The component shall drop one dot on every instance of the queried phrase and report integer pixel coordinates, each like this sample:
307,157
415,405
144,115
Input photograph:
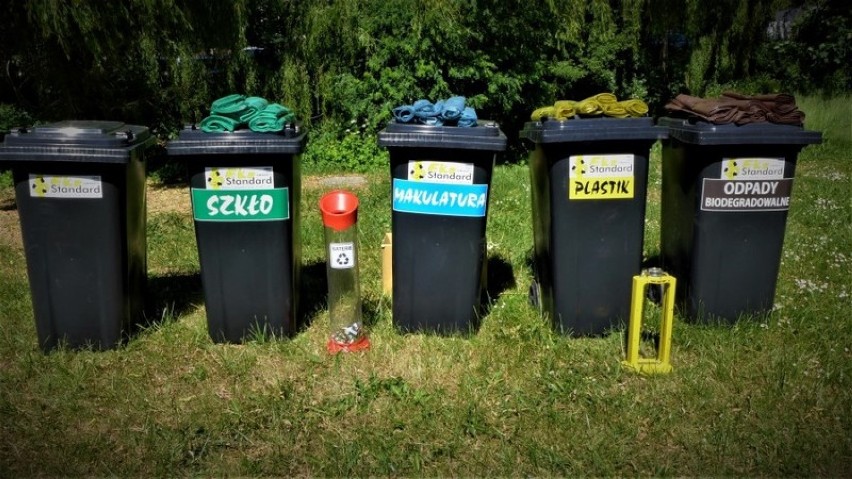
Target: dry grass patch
10,224
166,199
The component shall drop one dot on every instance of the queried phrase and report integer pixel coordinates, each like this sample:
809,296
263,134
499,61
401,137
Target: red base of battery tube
335,347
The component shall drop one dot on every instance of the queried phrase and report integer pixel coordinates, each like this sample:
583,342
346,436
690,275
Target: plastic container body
245,189
344,290
80,191
589,180
441,187
726,193
340,217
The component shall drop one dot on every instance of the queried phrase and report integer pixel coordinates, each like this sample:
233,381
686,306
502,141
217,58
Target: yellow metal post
662,363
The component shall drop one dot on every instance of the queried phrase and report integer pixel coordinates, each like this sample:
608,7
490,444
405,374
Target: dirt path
10,229
167,199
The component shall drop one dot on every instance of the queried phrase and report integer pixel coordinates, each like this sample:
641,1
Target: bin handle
126,135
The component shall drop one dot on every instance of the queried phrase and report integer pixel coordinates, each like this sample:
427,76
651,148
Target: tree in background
344,64
352,61
134,60
811,52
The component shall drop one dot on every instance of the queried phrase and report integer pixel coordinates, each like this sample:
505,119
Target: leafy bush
165,169
816,57
336,148
161,63
6,179
12,116
752,86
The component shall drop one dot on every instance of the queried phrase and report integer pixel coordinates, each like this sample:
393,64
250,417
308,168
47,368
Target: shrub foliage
343,62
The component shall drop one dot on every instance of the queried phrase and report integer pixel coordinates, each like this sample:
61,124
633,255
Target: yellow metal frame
662,363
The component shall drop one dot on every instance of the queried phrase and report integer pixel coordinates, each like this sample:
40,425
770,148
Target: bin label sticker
738,195
49,186
439,198
341,255
752,169
600,177
246,205
238,178
441,172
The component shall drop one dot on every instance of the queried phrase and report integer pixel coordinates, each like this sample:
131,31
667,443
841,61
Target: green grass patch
765,397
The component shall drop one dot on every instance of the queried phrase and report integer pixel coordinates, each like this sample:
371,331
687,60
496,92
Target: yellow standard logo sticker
238,178
600,177
449,172
52,186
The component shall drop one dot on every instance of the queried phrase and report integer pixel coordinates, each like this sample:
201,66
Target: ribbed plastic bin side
245,189
80,191
441,188
726,193
589,181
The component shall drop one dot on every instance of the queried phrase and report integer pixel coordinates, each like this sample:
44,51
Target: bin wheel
654,293
535,295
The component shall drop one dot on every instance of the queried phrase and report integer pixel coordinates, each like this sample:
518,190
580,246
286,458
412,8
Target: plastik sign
238,178
601,177
752,169
439,198
441,172
243,205
49,186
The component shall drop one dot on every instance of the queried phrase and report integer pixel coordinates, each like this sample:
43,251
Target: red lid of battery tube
339,209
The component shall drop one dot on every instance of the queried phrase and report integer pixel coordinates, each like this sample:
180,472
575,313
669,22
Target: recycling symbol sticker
341,255
343,260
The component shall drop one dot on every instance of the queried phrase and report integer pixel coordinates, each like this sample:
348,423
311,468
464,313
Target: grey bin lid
703,133
76,141
592,129
486,136
194,142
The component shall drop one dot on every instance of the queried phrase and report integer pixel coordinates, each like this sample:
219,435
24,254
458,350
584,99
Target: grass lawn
766,397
